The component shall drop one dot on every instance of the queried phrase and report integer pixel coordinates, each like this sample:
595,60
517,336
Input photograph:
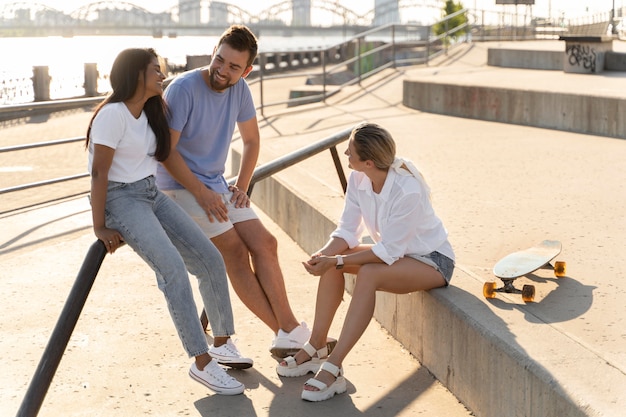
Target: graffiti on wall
579,55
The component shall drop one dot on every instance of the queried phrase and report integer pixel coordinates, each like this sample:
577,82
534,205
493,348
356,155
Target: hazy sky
543,8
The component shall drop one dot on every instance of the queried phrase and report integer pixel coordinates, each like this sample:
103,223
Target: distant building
301,10
386,11
218,13
189,12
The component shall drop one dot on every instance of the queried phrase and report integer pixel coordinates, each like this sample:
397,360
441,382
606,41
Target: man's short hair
240,38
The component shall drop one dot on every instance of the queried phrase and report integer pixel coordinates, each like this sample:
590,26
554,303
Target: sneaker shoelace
221,375
231,348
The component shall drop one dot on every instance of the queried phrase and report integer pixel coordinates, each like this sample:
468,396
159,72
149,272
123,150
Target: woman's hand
319,264
111,238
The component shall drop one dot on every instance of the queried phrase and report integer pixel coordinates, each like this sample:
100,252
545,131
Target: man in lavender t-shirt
206,105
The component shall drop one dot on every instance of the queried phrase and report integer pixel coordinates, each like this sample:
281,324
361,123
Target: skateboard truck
527,291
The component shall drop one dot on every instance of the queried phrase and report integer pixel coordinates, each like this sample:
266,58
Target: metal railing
45,182
329,70
360,56
340,65
51,357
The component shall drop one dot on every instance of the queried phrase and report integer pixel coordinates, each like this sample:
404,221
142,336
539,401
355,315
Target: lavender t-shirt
206,121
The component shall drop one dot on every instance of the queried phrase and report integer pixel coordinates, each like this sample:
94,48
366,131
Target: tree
461,19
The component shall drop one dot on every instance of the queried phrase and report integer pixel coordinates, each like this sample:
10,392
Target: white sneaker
288,344
229,355
216,379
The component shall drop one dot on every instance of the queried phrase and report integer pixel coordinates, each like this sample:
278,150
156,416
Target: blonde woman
388,198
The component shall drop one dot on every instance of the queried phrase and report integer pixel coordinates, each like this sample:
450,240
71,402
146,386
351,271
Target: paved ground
498,188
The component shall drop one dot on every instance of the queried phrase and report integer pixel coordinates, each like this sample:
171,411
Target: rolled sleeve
351,239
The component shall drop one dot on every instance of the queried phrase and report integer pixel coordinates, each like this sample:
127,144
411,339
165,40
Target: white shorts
235,215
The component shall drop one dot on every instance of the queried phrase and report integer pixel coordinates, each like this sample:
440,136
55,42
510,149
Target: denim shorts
440,262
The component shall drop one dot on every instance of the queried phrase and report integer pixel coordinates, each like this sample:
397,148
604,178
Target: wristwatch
339,262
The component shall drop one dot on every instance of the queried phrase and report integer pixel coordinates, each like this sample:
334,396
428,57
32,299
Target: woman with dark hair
387,197
127,136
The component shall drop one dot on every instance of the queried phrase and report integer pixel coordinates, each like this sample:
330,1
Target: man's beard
215,84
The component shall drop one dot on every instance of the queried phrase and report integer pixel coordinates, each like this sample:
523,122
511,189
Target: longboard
518,264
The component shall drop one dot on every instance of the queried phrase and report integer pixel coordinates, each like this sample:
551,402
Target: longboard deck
526,261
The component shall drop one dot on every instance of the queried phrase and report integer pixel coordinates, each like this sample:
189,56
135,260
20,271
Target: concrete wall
569,112
528,59
547,59
615,61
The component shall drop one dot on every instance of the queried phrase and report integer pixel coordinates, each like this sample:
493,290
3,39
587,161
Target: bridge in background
195,17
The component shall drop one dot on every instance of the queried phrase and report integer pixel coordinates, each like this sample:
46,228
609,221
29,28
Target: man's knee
264,243
231,246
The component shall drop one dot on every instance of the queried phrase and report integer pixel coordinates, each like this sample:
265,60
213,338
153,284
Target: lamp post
613,26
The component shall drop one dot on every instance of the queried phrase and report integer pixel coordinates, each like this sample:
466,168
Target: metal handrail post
339,168
358,61
261,67
324,52
446,39
482,23
393,45
62,331
428,42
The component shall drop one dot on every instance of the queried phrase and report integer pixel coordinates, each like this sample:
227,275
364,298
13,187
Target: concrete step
583,103
547,59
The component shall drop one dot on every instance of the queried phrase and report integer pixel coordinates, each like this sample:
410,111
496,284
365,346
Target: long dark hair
124,79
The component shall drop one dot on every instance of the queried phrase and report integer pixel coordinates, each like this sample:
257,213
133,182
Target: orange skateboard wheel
489,289
528,293
559,269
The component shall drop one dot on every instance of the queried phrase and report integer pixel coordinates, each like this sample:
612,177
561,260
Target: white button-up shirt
400,219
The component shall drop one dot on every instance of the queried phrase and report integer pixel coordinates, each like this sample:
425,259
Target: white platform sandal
326,391
312,365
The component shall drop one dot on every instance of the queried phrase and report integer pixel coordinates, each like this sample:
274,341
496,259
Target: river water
66,58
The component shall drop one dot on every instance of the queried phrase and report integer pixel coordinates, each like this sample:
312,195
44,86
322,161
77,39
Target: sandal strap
291,362
317,384
331,368
311,351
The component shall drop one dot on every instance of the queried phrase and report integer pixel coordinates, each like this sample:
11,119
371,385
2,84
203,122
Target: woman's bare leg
404,276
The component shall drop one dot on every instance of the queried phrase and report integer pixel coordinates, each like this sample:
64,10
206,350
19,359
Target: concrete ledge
315,92
567,112
525,59
478,351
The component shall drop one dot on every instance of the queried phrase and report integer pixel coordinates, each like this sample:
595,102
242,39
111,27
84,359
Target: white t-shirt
133,139
400,219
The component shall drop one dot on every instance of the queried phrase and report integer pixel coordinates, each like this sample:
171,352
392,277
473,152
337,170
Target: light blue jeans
171,243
